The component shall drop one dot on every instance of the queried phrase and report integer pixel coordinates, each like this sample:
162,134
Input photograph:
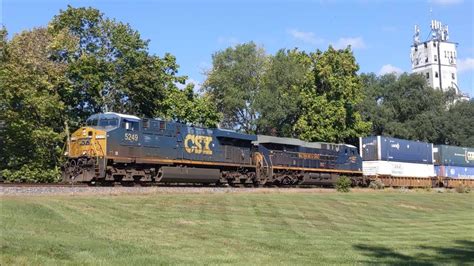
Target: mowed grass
239,228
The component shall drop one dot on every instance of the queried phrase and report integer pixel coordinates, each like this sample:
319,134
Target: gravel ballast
84,190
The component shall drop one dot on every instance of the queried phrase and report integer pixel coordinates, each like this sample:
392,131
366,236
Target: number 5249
131,137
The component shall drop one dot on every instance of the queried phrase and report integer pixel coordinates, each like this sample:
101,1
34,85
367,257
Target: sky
380,32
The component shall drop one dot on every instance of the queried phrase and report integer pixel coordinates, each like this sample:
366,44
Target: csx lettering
198,144
131,137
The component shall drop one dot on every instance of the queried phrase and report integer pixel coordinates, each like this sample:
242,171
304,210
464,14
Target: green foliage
233,83
406,107
330,98
32,109
279,100
292,94
110,66
32,173
187,107
459,124
343,184
403,107
3,43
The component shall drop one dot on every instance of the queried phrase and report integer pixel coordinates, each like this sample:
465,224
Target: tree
3,103
111,67
188,107
406,107
459,124
330,99
233,83
279,99
33,111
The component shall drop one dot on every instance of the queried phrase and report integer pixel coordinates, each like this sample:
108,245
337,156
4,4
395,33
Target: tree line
53,77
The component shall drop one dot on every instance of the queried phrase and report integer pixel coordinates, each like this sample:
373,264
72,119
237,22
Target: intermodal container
398,169
453,155
379,148
458,172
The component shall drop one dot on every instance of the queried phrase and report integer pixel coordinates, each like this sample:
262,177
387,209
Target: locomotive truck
114,147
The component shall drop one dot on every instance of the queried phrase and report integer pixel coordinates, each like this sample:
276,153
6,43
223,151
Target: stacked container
396,157
454,162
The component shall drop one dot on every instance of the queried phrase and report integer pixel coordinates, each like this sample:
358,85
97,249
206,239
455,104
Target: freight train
114,147
119,148
400,162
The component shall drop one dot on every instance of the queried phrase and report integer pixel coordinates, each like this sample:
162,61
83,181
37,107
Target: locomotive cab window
108,122
146,123
92,122
130,125
162,125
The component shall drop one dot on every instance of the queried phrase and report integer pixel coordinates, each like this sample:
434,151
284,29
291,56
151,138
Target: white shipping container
390,168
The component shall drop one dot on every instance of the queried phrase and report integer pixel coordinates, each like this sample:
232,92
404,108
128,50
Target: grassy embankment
243,228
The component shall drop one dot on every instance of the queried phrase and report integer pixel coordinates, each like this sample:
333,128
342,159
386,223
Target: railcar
114,147
292,161
406,163
454,165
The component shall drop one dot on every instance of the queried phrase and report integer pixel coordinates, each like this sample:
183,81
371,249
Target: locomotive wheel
286,181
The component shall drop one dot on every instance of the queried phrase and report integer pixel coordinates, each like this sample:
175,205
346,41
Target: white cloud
465,64
446,2
389,69
305,36
354,42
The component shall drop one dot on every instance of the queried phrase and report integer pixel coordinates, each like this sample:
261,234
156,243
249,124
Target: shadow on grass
462,253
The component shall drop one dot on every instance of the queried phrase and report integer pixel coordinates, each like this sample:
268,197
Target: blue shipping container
455,171
453,155
379,148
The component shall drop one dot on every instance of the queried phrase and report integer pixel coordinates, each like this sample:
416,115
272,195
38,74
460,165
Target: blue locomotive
114,147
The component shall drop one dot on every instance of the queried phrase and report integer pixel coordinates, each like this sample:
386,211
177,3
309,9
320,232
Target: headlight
100,137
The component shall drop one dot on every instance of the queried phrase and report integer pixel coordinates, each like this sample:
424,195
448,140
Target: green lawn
241,228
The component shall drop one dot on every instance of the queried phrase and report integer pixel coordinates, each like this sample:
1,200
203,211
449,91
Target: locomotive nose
87,141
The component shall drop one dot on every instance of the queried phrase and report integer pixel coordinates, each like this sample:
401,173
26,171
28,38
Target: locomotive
114,147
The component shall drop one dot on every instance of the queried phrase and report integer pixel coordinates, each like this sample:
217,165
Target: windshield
92,122
106,122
